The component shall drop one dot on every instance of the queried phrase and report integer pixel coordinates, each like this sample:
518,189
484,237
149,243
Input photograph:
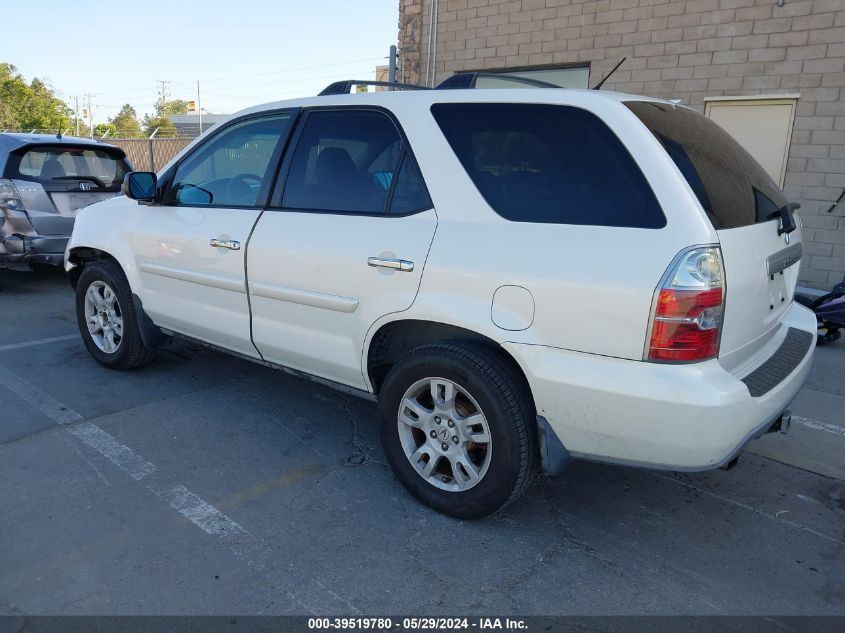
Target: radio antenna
607,76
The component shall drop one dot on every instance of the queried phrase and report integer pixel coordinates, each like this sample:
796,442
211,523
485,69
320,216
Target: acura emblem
85,186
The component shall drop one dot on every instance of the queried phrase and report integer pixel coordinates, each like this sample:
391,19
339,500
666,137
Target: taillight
687,312
10,201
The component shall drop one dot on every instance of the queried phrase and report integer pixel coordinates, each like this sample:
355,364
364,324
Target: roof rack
345,86
468,80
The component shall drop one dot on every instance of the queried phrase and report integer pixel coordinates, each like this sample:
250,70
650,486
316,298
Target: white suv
519,276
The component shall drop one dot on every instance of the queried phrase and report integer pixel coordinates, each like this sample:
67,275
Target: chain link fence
145,154
150,154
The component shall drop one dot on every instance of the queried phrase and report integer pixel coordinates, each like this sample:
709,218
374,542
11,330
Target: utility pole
76,118
391,66
163,91
90,115
199,104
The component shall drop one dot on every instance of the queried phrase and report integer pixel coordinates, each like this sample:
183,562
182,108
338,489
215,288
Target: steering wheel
240,191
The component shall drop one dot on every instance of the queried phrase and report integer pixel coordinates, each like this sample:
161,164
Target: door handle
232,245
402,265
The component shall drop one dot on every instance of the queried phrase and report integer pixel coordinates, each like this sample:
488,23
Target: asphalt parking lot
204,484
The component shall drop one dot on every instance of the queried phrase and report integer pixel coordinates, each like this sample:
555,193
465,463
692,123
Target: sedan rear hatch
752,218
56,181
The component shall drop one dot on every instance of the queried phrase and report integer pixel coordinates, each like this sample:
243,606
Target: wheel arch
392,340
80,256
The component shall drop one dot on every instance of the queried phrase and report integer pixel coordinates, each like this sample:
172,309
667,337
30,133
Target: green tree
168,108
34,105
84,130
102,128
125,123
165,126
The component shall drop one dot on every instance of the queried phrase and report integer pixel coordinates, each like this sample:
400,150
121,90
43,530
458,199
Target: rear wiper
787,222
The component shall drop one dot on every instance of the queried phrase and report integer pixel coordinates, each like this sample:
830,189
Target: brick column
410,31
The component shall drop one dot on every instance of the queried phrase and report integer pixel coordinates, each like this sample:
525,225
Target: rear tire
483,444
106,316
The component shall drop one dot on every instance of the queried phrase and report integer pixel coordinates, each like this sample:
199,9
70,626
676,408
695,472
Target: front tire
457,425
107,318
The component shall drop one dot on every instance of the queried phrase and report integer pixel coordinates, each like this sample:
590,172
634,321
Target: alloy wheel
444,434
103,317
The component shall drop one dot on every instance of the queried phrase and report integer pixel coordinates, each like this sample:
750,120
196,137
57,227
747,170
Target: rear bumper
679,417
33,249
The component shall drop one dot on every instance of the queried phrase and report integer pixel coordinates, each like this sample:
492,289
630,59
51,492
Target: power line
219,94
282,82
272,72
163,90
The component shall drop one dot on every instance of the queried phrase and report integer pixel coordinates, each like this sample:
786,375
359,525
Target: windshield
729,183
101,167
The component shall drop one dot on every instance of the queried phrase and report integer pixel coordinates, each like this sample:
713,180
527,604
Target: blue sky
243,51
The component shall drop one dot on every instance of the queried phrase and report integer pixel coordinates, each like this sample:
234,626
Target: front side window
102,167
550,164
345,161
231,168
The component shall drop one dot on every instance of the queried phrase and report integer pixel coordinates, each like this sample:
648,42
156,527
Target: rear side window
346,161
551,164
102,167
731,186
410,194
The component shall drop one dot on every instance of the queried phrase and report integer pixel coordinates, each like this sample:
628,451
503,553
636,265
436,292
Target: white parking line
819,426
41,341
189,505
203,514
251,550
121,456
46,404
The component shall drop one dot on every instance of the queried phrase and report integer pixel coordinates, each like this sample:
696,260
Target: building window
565,77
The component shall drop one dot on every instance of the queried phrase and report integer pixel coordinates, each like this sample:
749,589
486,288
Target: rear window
550,164
101,167
731,186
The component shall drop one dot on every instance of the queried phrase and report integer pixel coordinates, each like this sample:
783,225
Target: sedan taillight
687,312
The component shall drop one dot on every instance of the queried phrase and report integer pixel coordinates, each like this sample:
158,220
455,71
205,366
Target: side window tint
344,161
231,167
410,193
546,163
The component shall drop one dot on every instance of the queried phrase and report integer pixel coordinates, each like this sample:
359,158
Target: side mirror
140,185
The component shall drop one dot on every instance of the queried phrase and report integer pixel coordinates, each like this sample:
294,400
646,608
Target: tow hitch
781,425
